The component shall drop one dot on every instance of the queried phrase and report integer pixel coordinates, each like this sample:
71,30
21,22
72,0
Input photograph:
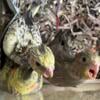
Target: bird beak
93,71
48,73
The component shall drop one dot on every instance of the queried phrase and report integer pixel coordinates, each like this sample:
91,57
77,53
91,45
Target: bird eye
84,59
38,64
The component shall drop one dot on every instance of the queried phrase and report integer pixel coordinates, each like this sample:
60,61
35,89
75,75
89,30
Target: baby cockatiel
25,80
85,66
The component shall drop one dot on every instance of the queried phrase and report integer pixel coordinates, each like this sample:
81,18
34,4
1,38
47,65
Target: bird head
85,65
43,60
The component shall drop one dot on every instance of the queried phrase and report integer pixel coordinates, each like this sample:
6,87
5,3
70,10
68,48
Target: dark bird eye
84,59
38,64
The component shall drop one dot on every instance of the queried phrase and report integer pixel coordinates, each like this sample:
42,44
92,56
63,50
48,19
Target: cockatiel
85,66
23,45
66,48
25,80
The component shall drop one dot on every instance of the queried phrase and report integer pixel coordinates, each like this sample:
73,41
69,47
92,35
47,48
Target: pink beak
48,73
93,71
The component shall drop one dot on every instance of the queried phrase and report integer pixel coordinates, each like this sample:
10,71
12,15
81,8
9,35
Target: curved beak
93,71
48,73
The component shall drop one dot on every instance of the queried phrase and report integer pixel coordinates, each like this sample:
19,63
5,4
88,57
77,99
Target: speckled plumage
19,39
20,34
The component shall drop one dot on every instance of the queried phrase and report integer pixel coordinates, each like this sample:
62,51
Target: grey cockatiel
75,61
84,66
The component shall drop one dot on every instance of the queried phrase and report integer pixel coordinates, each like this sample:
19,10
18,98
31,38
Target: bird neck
26,73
